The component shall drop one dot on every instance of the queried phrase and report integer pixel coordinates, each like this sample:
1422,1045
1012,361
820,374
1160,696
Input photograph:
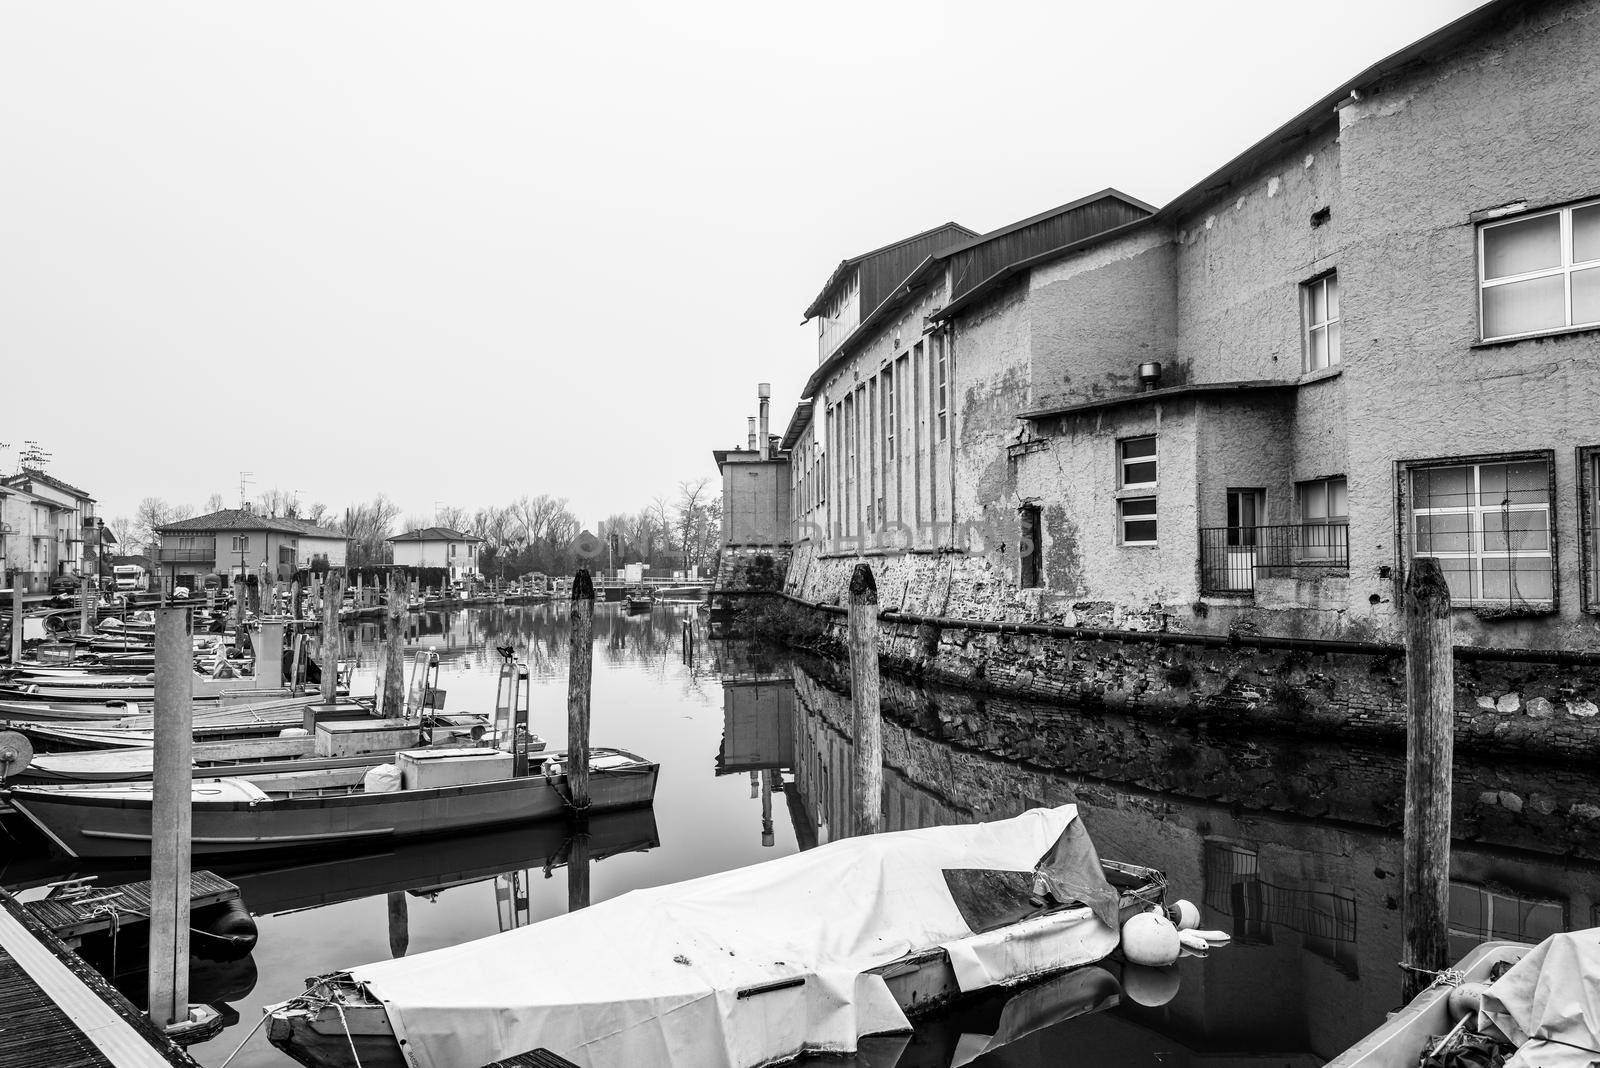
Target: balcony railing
1232,558
203,550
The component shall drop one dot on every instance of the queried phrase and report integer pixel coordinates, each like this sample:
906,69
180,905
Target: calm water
755,754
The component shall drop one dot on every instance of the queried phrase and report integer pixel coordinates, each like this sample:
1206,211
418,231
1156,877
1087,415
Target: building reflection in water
1312,900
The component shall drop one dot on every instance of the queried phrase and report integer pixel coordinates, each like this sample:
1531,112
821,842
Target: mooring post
581,661
269,656
171,791
1430,751
867,728
767,838
16,617
394,675
399,924
85,608
330,637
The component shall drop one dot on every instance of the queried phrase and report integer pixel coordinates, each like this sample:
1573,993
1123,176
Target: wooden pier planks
56,1011
70,920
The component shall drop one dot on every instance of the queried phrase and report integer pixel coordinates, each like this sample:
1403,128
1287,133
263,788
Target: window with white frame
1136,461
888,413
944,387
1488,524
1319,309
241,543
1324,505
1540,271
1137,518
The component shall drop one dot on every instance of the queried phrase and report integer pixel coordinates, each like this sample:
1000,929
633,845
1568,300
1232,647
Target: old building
439,547
1373,335
237,542
42,529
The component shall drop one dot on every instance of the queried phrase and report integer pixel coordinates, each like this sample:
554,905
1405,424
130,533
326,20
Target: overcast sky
458,252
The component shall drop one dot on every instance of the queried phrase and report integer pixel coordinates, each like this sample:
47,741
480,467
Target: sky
461,252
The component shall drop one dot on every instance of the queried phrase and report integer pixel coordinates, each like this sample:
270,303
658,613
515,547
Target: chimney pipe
764,443
1150,376
750,441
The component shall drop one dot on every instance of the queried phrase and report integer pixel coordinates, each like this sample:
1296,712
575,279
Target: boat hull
98,827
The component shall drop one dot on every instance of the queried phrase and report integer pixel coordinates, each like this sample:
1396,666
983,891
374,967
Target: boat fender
1466,999
1151,987
1184,915
382,779
293,732
224,931
1150,939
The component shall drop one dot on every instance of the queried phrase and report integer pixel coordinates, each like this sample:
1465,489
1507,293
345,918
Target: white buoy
294,732
1150,939
1185,916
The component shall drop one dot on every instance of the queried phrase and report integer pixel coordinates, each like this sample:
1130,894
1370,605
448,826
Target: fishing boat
753,966
1400,1042
639,600
441,791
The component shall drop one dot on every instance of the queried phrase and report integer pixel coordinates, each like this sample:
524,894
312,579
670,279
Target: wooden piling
171,790
867,727
1430,750
85,608
394,676
399,924
16,617
330,637
581,661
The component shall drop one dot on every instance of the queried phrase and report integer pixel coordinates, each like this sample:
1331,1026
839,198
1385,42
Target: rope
264,1018
1443,977
348,1036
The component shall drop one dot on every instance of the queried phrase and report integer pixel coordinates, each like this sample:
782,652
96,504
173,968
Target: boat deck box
431,769
346,738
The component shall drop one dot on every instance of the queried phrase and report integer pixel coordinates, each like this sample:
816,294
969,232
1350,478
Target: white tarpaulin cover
1548,1003
653,977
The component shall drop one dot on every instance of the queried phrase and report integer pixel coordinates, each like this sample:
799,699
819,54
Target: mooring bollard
581,660
330,638
394,676
578,870
1430,752
399,924
171,791
867,727
16,618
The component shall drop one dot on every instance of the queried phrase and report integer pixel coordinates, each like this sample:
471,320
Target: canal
1292,847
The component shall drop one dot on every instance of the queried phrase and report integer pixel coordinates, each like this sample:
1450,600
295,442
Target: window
1319,308
1137,461
1488,525
888,414
1246,511
1137,515
1540,272
1032,547
241,543
1324,518
944,388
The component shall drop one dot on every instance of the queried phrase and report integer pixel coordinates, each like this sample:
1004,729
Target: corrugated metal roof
845,265
797,425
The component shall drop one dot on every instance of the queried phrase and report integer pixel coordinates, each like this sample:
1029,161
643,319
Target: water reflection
1292,847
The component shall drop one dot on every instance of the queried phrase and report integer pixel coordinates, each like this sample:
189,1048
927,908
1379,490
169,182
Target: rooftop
245,519
434,534
30,474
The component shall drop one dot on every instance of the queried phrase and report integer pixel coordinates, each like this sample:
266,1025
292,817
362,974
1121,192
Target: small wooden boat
1399,1042
828,912
444,791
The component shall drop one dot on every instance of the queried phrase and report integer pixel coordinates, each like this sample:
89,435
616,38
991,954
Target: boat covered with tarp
805,953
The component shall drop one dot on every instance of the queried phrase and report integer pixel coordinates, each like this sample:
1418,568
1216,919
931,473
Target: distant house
241,541
42,527
438,547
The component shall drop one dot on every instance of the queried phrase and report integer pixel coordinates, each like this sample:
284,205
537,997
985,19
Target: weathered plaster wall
1096,315
755,502
1505,122
1241,258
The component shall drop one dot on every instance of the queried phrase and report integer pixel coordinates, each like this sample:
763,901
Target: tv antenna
246,478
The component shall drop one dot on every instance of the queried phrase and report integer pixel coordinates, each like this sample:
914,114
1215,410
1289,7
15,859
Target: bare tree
315,512
215,503
452,516
688,514
368,526
415,521
121,528
151,513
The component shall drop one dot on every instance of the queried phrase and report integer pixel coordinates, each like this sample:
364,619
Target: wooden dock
57,1012
70,918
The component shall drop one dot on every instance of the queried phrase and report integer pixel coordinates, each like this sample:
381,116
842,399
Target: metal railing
1232,558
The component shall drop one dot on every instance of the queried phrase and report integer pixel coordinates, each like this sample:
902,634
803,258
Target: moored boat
734,970
441,791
